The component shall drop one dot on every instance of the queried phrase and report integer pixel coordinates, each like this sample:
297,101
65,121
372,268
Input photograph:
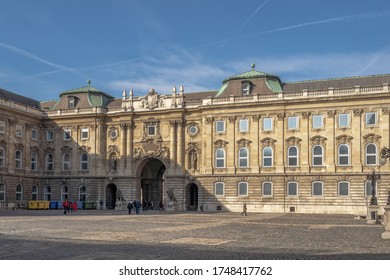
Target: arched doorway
152,182
192,197
110,196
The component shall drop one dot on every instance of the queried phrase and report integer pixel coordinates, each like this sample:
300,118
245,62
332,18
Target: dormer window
72,102
246,88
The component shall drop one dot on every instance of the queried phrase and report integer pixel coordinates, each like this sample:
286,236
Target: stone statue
194,160
114,163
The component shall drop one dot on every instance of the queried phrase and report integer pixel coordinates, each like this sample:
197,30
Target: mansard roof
17,98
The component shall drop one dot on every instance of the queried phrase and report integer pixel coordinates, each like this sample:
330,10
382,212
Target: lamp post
373,178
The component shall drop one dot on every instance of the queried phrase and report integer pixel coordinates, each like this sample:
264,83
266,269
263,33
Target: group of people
69,206
145,206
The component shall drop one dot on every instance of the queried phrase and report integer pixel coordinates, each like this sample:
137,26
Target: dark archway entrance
111,196
192,197
152,183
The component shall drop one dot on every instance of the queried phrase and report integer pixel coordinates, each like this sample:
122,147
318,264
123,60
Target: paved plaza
155,235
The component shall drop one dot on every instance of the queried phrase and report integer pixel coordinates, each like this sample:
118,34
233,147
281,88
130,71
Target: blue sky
47,46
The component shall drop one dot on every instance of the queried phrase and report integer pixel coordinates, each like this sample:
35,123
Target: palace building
303,147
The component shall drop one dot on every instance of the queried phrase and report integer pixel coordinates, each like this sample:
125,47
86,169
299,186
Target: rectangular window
84,133
152,130
343,189
219,189
371,118
317,189
50,135
67,134
34,134
267,189
343,120
318,122
18,130
368,188
220,126
2,127
267,124
242,188
243,125
292,123
292,188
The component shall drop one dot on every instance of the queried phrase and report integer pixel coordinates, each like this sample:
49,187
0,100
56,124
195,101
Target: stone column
129,152
122,161
173,143
180,144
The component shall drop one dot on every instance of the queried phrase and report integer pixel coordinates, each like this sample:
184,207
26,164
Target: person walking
65,204
244,208
129,207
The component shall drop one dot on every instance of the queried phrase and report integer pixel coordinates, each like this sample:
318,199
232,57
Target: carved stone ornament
243,142
163,152
293,141
357,112
343,139
85,149
318,139
371,138
220,143
152,100
267,141
113,149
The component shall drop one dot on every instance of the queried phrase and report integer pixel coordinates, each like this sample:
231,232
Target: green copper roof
87,89
250,75
274,85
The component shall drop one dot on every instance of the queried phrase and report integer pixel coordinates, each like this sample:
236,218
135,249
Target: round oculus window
113,134
193,130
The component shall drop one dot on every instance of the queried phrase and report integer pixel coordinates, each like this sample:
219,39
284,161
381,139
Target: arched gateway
152,181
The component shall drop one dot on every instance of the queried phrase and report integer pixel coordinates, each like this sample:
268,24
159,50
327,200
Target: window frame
67,136
292,157
220,185
263,189
268,124
49,162
314,156
2,127
34,134
217,123
288,188
47,193
50,135
18,130
339,188
19,193
34,162
347,120
3,192
67,163
18,159
84,163
371,155
34,193
289,127
243,122
84,134
375,114
2,157
82,194
240,185
220,158
313,189
340,156
245,159
265,157
318,118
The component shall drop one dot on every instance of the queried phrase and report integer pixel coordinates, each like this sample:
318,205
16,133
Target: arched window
344,155
47,193
371,154
82,193
84,161
268,157
18,159
66,162
34,193
19,193
49,162
34,166
292,158
2,157
220,158
64,192
243,157
2,191
318,155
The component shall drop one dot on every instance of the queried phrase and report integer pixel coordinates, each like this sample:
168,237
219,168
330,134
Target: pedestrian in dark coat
129,207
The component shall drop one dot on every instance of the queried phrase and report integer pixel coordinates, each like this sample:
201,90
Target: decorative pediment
152,100
267,141
49,150
84,148
3,144
66,149
220,143
34,149
113,149
371,138
292,141
318,139
243,142
19,146
343,139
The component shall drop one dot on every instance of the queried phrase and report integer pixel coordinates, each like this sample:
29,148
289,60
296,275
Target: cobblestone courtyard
99,235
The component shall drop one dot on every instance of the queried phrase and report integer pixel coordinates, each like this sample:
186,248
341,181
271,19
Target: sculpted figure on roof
152,100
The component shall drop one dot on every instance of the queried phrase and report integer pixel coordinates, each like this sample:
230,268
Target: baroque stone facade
279,147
